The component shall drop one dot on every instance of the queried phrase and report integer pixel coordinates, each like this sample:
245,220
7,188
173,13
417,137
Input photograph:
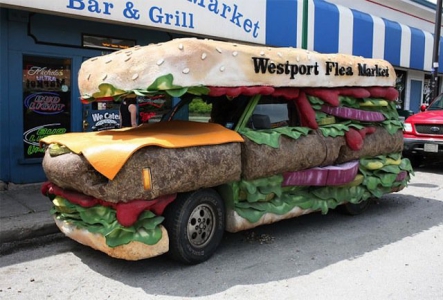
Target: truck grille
429,129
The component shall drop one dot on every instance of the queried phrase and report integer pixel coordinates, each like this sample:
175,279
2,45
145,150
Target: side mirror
261,121
423,107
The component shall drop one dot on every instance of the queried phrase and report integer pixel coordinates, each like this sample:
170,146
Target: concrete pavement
24,212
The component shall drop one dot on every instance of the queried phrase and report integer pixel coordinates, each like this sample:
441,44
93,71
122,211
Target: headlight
147,179
408,127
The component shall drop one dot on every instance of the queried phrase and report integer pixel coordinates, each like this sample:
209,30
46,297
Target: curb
24,217
27,226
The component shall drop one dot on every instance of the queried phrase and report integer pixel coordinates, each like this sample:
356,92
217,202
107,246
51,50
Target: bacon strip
355,92
388,93
216,91
307,113
327,95
287,93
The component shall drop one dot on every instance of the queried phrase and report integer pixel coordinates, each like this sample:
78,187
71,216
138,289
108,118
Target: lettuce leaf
102,220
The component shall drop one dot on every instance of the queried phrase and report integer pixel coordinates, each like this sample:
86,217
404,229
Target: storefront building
43,44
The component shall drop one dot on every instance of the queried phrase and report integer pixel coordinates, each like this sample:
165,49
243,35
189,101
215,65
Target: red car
423,133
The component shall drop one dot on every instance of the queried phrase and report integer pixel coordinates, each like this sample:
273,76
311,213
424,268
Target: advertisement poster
428,89
400,85
46,101
102,115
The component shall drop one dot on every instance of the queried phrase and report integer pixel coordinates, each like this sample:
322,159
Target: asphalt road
392,251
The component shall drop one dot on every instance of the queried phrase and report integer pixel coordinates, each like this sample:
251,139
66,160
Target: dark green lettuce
101,219
252,199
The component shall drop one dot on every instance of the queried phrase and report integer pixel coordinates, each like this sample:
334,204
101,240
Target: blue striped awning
332,28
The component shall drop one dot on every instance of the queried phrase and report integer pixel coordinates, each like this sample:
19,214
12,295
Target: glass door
46,100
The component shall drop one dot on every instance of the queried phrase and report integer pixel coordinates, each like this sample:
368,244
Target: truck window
272,112
193,109
221,110
151,109
199,110
227,111
437,104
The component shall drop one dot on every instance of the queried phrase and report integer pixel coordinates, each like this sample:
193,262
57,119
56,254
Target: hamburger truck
234,136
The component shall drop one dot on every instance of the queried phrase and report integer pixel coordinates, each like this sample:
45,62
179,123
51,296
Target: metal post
304,39
434,87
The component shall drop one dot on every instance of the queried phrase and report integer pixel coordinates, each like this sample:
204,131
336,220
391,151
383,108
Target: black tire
416,161
195,223
355,209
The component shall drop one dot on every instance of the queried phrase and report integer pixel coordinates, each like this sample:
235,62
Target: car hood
427,117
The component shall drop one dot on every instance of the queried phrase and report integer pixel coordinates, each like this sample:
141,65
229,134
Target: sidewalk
24,212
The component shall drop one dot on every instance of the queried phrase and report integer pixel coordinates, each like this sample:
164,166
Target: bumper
132,251
426,147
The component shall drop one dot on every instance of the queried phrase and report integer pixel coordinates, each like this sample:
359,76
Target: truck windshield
220,110
437,104
151,109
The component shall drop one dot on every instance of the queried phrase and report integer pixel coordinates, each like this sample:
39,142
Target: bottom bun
132,251
235,223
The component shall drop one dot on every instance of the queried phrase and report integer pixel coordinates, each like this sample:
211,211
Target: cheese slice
107,151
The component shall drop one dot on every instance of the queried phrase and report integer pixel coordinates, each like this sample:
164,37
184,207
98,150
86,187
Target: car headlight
407,127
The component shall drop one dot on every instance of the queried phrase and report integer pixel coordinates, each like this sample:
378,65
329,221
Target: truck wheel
416,161
355,209
195,223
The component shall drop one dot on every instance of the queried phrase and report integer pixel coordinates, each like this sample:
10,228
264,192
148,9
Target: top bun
198,62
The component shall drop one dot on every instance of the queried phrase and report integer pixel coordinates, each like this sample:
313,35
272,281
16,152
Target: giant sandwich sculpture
175,186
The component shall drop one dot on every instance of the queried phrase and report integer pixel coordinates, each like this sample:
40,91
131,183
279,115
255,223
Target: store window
400,85
46,100
428,89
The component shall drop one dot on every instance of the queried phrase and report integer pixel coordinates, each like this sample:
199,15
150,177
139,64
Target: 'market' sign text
265,65
172,17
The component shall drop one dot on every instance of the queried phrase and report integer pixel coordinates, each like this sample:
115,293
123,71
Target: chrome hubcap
201,225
